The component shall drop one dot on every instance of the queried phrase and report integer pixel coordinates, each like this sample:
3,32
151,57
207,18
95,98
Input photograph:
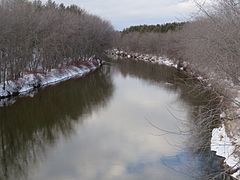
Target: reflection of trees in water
204,116
32,123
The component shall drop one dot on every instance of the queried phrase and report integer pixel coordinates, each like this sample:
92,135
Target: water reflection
203,116
102,127
118,142
27,127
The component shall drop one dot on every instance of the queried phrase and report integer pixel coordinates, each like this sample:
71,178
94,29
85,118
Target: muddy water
126,121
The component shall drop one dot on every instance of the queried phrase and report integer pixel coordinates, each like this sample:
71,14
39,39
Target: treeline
210,43
167,44
36,36
159,28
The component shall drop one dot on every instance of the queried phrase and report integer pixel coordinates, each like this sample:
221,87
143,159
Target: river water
126,121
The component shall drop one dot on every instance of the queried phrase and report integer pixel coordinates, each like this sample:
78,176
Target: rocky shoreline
31,82
225,140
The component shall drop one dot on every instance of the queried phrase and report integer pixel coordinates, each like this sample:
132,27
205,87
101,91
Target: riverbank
32,81
225,139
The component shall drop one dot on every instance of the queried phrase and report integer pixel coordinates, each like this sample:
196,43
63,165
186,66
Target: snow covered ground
224,147
29,82
143,57
226,139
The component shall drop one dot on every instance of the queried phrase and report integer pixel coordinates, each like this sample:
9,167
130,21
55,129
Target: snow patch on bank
29,82
224,147
145,57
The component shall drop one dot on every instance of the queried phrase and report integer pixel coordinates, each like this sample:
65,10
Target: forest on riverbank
210,42
37,37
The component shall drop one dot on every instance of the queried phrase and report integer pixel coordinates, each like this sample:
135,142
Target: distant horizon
132,13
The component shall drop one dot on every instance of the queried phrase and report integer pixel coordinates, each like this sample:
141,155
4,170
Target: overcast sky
123,13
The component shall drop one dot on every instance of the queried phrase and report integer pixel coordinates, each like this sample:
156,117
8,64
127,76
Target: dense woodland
159,28
38,37
210,42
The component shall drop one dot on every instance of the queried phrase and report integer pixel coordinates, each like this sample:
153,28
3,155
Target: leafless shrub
212,42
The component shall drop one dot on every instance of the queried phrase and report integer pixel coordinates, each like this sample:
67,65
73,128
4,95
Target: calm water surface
126,121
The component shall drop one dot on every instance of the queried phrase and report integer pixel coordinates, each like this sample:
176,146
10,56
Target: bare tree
36,36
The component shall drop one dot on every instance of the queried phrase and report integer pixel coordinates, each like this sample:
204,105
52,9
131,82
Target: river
126,121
